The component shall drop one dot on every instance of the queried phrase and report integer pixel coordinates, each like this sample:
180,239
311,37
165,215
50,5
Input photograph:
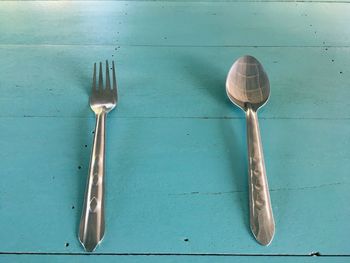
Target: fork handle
92,225
261,218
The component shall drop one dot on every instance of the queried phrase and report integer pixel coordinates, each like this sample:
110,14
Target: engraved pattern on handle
92,223
261,217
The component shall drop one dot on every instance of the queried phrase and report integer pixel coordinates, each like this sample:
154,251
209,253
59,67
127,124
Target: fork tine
114,81
100,79
94,79
108,83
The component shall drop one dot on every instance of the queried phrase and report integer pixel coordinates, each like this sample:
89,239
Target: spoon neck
250,109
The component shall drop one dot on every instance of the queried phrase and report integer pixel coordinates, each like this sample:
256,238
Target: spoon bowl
247,83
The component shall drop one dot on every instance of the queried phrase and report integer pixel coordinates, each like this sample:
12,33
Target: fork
92,223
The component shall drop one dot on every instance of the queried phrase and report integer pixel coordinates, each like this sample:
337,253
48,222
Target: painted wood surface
176,152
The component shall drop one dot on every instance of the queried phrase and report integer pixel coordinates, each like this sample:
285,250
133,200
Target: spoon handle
261,218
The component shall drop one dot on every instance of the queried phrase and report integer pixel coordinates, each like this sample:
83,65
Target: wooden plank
175,23
169,180
166,259
172,81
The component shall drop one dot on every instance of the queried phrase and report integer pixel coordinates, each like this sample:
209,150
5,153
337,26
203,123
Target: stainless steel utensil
102,101
248,87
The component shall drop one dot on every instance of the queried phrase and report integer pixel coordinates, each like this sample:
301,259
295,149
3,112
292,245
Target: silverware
92,223
248,87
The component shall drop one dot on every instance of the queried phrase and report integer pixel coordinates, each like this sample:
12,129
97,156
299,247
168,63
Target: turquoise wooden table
176,147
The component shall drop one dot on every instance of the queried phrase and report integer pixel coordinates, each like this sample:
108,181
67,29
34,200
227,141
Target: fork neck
101,113
99,137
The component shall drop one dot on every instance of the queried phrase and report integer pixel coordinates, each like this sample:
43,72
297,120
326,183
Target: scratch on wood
271,190
306,187
206,193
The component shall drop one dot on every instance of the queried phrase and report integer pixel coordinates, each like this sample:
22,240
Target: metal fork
102,100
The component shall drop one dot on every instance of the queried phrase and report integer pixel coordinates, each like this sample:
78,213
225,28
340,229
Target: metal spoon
248,87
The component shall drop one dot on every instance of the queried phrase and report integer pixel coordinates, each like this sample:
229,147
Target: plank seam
167,46
203,1
172,254
181,117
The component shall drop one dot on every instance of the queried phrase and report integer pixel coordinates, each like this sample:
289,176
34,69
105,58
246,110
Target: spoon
248,87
